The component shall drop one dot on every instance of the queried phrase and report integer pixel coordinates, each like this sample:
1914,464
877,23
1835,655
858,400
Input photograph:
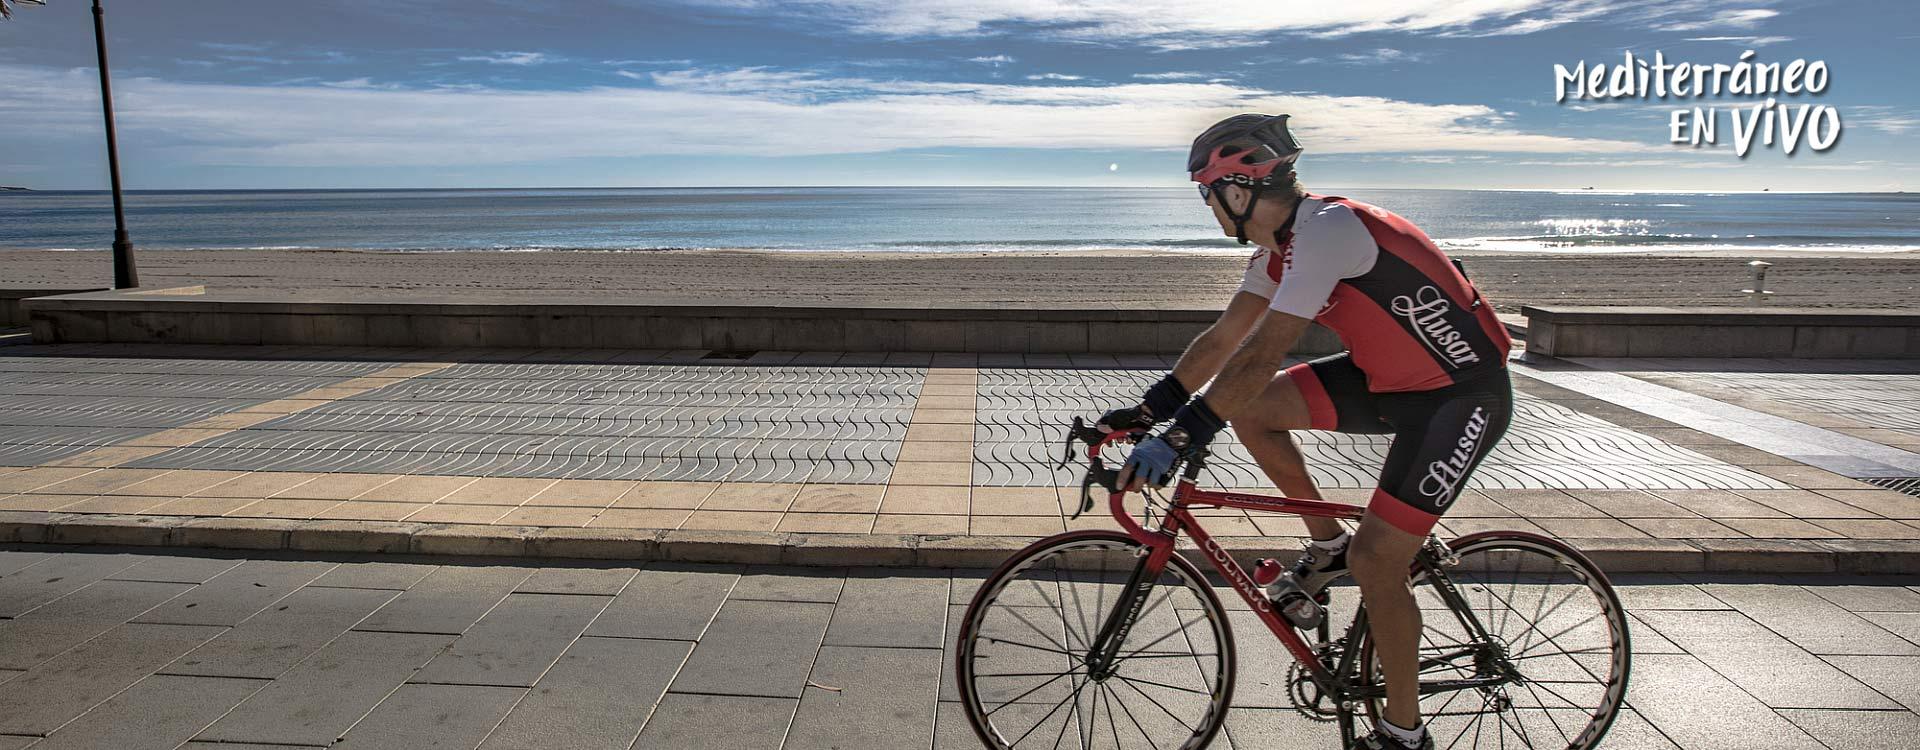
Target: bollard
1758,293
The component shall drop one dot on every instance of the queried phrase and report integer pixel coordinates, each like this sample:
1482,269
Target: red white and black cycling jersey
1411,320
1426,356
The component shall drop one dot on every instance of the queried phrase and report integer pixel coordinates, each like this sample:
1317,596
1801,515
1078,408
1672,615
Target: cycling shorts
1439,435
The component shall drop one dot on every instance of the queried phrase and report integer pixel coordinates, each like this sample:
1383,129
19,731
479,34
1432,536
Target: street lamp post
124,275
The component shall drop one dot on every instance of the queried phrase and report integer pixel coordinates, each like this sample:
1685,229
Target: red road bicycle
1114,639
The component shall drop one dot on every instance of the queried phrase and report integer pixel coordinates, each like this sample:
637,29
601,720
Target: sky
219,94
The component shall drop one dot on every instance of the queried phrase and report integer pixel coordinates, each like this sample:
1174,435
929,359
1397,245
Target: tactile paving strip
1876,400
1018,441
594,421
54,407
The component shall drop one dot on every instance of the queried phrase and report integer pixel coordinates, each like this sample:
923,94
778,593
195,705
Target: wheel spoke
1160,684
1034,689
1157,704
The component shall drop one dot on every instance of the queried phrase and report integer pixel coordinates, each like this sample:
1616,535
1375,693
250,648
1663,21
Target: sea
961,219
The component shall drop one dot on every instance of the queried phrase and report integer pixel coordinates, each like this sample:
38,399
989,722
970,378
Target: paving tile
98,482
1772,668
1589,528
640,518
685,721
1015,501
1717,504
755,497
585,493
930,450
579,581
177,569
1252,728
667,601
1809,621
886,608
756,648
56,691
498,491
16,742
790,584
341,486
355,510
901,499
563,517
316,701
76,618
513,644
236,594
114,504
1018,526
201,506
1640,591
37,502
1804,504
1891,675
1698,708
932,473
32,480
1880,502
447,601
14,561
910,523
159,712
453,513
271,642
827,523
1858,730
1630,504
885,697
414,489
1683,528
1861,528
25,589
257,485
179,483
1778,528
1538,504
374,575
433,716
291,508
687,495
1903,624
945,432
838,498
1869,598
595,697
732,520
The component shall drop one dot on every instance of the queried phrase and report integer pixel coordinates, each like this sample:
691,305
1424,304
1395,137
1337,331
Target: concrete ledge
191,315
1721,332
13,314
1891,557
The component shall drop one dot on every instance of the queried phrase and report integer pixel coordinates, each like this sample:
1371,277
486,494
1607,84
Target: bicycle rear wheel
1022,658
1554,621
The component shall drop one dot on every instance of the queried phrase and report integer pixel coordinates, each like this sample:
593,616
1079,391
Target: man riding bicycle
1425,360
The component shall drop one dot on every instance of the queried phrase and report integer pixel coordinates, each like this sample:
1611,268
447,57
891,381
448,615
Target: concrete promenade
882,459
103,648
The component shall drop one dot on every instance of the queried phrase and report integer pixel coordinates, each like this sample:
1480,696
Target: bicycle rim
1560,627
1021,661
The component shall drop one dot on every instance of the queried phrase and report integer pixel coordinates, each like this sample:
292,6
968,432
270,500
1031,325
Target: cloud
509,58
1170,76
1382,56
764,111
1736,19
1894,120
1055,77
994,60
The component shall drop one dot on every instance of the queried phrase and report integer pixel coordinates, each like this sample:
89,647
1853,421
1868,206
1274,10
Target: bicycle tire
1552,553
1120,549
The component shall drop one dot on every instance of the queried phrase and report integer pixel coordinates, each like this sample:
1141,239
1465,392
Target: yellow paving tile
967,389
201,506
941,473
942,416
686,495
278,507
498,491
356,510
838,498
415,489
585,493
278,408
36,502
1015,526
256,485
338,486
731,520
174,438
179,483
234,421
529,516
945,403
747,496
952,377
910,523
957,432
1016,501
640,518
32,479
925,500
928,450
827,523
454,513
110,456
114,504
102,481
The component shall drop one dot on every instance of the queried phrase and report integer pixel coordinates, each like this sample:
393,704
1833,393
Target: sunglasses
1206,193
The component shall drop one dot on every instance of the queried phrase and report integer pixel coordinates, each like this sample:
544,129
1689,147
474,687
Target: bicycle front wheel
1553,627
1023,661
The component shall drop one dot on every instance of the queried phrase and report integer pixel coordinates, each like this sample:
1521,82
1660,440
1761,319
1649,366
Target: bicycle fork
1101,658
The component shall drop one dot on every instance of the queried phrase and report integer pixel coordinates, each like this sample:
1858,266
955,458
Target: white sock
1333,545
1410,737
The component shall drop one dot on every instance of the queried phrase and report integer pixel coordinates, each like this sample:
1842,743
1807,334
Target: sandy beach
1119,277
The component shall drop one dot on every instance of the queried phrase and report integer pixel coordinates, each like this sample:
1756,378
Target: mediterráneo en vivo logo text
1776,123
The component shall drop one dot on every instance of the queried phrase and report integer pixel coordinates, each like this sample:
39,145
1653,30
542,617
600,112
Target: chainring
1306,696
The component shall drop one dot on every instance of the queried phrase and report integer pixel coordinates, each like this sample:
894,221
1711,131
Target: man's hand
1124,419
1151,461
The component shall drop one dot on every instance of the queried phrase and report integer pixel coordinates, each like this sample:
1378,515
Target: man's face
1224,193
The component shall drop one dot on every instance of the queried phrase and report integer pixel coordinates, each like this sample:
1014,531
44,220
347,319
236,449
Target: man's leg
1266,430
1378,556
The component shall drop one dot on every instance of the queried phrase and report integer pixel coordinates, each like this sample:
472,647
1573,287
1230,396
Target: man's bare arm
1253,365
1211,349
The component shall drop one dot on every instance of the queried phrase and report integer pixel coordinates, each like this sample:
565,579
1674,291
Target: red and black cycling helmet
1251,150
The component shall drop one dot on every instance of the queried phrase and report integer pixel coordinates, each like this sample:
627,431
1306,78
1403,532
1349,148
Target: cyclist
1425,360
